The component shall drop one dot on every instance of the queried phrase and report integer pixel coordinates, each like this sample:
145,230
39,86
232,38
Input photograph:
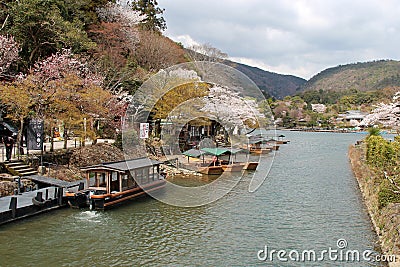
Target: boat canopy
221,151
216,151
260,141
234,151
124,165
194,153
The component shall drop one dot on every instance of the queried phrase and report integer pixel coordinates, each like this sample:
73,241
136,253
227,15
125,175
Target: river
309,201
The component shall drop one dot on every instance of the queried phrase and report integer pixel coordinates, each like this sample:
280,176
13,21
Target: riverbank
386,220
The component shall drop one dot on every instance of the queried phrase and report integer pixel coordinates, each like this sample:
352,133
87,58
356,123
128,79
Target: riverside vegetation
375,163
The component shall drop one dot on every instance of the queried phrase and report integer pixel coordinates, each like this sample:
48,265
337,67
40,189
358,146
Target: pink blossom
9,50
59,65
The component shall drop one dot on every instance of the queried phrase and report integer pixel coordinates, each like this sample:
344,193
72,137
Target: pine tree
154,20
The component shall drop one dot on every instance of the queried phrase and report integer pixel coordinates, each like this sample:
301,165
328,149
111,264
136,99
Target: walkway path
57,145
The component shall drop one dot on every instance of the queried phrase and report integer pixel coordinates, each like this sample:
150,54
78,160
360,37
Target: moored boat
259,150
233,167
210,170
250,166
110,184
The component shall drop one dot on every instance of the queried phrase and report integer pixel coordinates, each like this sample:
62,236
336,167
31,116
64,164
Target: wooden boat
250,166
110,184
281,140
210,170
259,150
274,147
233,167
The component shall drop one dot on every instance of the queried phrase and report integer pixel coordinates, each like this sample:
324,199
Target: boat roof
215,151
218,151
194,153
124,165
260,141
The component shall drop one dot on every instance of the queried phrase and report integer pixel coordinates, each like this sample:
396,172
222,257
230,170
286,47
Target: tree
9,50
124,15
43,27
388,115
178,95
231,110
157,52
205,52
18,97
74,102
154,20
61,87
83,10
372,131
117,37
62,64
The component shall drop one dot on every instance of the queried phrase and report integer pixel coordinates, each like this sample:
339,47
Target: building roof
124,165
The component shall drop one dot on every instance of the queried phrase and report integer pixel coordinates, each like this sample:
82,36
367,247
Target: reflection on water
309,201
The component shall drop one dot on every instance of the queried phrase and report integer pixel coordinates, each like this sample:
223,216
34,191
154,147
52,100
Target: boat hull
232,167
211,170
250,166
101,201
78,200
261,150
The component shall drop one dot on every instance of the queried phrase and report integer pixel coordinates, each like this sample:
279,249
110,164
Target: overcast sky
294,37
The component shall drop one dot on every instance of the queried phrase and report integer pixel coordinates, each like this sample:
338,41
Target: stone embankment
8,185
173,171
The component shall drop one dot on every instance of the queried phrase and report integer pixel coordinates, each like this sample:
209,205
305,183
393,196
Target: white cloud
299,37
281,69
185,40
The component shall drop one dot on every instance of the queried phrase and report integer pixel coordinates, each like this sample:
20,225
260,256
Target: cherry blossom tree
60,87
230,109
387,115
9,50
205,52
62,64
123,14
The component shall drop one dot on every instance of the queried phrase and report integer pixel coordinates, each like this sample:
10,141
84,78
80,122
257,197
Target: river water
309,201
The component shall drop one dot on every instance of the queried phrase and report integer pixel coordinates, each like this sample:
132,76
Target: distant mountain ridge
276,85
365,76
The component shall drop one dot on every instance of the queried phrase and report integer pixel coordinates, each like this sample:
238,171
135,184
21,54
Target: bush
386,195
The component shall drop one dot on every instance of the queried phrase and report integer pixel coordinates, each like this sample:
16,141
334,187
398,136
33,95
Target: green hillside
368,76
273,84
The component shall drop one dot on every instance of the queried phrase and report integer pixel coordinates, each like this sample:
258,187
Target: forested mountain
368,76
274,84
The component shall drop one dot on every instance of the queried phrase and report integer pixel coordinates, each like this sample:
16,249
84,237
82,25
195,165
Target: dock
20,206
48,181
51,196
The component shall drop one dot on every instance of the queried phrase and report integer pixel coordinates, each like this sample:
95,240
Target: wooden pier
20,206
51,196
